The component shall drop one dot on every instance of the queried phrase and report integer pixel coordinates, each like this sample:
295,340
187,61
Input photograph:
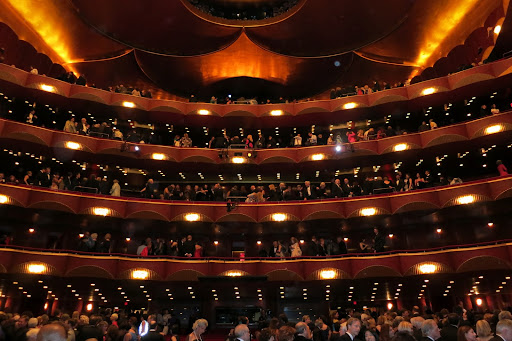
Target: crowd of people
348,325
337,189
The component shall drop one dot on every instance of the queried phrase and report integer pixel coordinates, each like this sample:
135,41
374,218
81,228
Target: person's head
302,329
466,333
22,321
286,333
504,328
483,329
266,335
189,237
353,326
103,326
368,336
403,336
306,319
430,328
453,319
376,230
32,323
52,332
242,332
200,326
504,314
405,326
417,322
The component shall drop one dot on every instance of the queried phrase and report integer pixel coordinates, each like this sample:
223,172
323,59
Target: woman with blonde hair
405,326
483,331
295,248
198,328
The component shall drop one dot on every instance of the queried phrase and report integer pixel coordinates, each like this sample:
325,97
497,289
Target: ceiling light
428,91
203,112
234,274
496,128
140,274
276,112
327,274
369,211
238,159
46,87
192,217
400,147
36,268
317,157
128,104
278,217
350,105
73,145
427,268
158,156
103,211
497,29
466,199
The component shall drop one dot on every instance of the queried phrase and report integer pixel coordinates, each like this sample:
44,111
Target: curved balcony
458,259
466,131
447,84
433,198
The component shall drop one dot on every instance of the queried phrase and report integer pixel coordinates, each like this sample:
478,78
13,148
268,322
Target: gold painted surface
53,28
433,29
245,59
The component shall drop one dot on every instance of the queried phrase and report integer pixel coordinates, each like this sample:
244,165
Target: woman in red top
352,137
501,168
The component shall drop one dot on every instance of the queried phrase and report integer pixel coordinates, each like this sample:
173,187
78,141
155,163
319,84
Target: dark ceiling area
316,45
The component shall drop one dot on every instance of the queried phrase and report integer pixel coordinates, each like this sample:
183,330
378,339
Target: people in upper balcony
494,109
502,170
424,127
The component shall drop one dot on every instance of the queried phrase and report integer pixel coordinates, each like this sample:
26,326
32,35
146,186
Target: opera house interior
255,169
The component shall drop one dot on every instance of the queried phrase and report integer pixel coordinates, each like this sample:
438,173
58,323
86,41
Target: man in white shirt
430,330
242,333
503,331
297,140
353,329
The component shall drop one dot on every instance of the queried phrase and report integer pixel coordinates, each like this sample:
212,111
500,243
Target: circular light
350,105
158,156
128,104
103,211
276,112
73,145
466,199
238,160
327,274
428,91
317,157
427,268
494,129
278,217
203,112
497,29
400,147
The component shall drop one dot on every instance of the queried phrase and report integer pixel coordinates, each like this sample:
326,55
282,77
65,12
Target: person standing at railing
501,168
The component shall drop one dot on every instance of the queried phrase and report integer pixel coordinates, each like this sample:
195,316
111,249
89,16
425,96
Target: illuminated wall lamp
140,274
367,212
88,307
466,199
350,105
158,156
497,29
73,145
427,268
3,199
493,129
238,160
128,104
48,88
428,91
192,217
103,211
203,112
317,157
278,217
400,147
327,274
36,268
234,274
276,112
479,302
390,306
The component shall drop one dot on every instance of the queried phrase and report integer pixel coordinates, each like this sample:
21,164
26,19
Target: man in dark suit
449,332
336,190
399,182
302,332
312,248
379,242
342,246
273,250
309,192
153,334
503,331
43,178
346,188
430,330
353,329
